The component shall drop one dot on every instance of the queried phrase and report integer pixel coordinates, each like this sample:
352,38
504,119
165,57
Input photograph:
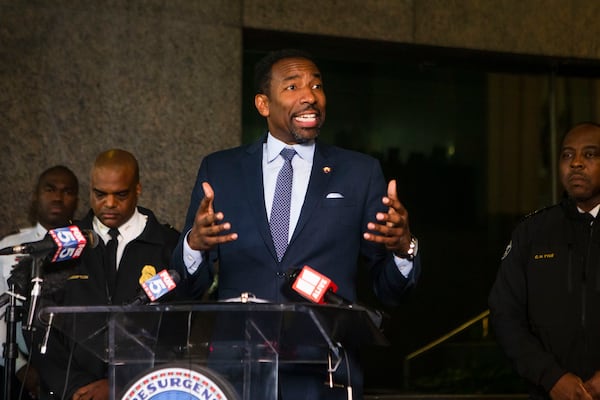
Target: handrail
483,316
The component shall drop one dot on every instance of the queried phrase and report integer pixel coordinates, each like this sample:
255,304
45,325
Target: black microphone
66,243
46,244
316,287
156,287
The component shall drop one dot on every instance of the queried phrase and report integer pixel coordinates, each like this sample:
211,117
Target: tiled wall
162,78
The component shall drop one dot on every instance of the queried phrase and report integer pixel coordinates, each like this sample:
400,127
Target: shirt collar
306,151
128,231
40,231
593,211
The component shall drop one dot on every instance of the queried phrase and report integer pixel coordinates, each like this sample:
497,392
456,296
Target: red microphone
156,287
160,284
69,242
316,287
64,243
319,289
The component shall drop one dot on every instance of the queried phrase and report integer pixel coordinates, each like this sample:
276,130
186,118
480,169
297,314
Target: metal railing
483,317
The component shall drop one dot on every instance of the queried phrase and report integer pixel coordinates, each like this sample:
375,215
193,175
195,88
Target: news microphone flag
158,285
69,241
313,285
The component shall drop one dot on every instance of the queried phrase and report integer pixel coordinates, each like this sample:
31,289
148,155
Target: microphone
156,287
67,243
6,296
316,287
319,289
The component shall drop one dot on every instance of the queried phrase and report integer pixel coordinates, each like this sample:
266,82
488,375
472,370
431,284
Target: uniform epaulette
171,227
538,211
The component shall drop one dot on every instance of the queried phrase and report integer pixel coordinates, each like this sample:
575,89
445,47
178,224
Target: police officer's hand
208,229
569,387
97,390
592,385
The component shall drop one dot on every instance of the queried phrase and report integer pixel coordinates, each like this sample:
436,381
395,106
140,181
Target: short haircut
120,158
57,168
263,68
32,213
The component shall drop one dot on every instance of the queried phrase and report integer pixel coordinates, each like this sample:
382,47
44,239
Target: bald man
141,240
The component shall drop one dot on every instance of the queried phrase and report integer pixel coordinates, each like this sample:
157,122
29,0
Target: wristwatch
412,249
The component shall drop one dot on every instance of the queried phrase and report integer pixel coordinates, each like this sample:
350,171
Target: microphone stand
13,315
36,290
11,350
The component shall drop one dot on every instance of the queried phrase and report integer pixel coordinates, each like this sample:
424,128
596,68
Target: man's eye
591,154
291,87
317,86
566,156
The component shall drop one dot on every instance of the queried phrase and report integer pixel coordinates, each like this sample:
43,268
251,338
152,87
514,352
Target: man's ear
261,102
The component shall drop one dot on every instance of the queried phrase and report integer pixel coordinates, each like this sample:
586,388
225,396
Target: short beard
302,140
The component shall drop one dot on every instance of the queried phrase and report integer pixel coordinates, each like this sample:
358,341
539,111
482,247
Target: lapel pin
326,170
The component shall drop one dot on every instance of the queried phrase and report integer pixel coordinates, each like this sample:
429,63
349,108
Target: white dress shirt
593,211
127,232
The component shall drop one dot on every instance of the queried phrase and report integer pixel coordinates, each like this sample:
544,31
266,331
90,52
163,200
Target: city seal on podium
189,382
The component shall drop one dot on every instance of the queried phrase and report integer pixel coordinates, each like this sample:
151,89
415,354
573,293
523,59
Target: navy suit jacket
328,236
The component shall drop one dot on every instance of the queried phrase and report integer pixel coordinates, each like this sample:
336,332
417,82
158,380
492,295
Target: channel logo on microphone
313,285
69,241
158,285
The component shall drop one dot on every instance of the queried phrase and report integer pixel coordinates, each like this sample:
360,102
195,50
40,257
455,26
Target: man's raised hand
209,229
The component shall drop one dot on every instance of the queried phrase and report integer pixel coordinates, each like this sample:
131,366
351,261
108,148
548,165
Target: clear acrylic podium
240,345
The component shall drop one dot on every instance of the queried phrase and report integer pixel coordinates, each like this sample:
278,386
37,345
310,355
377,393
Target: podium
227,350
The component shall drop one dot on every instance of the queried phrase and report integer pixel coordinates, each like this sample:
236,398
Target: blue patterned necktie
280,212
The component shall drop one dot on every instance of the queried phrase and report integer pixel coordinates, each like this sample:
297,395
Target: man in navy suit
340,209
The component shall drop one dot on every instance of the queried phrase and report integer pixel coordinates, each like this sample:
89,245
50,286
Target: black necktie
111,258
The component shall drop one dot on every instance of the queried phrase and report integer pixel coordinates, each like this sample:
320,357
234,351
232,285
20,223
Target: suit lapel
319,180
254,189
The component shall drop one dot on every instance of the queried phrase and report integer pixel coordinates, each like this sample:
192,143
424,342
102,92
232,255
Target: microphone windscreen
20,274
175,276
92,238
